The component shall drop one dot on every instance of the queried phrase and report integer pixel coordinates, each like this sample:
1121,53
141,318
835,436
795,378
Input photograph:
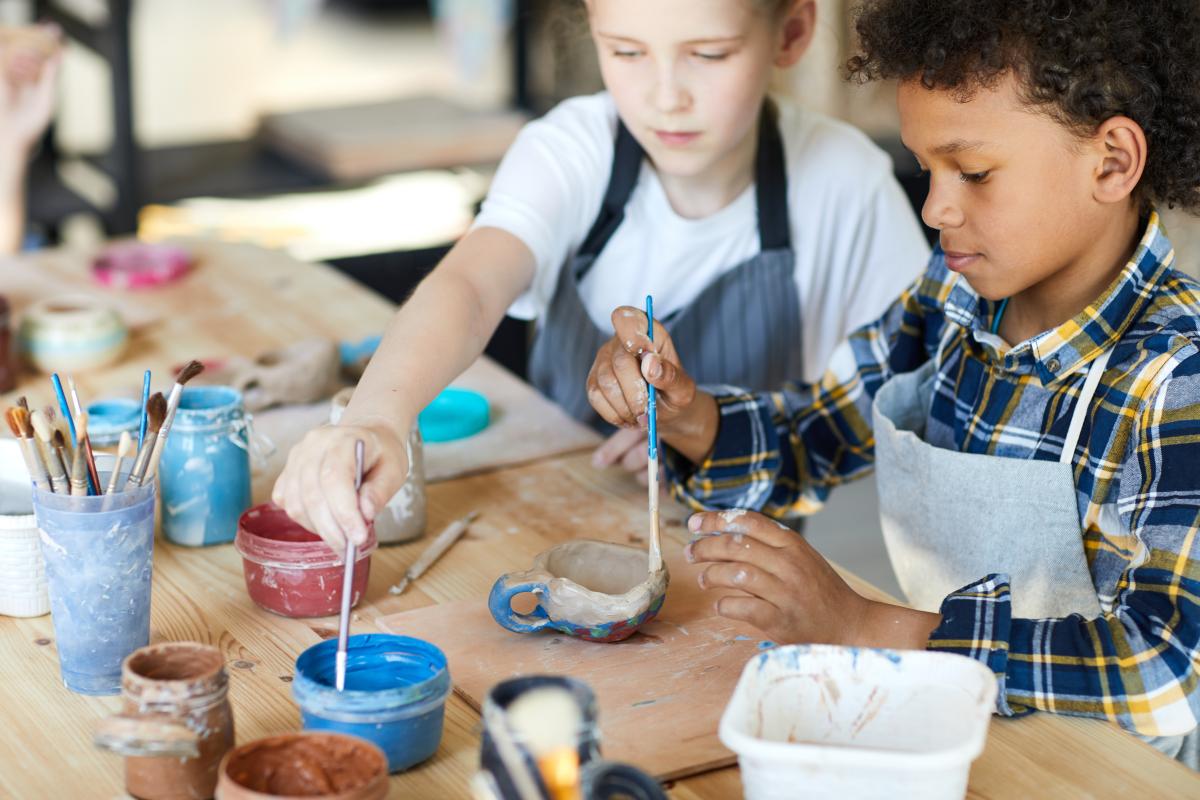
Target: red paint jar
290,570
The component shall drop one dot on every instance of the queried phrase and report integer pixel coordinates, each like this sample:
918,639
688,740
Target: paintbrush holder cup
98,565
510,757
395,694
599,591
71,334
317,766
403,518
175,724
205,469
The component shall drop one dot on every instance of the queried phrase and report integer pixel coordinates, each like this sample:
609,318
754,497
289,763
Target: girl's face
688,76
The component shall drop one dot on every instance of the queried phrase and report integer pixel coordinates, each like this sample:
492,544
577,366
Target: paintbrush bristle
42,426
50,413
60,441
189,371
26,425
23,403
12,416
81,427
125,447
156,412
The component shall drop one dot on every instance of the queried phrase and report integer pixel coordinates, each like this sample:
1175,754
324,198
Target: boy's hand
616,386
793,594
316,488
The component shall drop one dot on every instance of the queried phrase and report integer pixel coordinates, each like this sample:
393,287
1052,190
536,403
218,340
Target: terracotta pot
325,766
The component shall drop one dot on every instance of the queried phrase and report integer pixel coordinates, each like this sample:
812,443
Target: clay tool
54,463
348,580
145,400
18,419
189,371
434,551
79,473
156,411
124,450
656,561
89,457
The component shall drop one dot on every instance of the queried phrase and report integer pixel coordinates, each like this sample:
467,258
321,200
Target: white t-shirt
856,240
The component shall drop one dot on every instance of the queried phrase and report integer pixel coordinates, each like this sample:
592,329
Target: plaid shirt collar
1074,344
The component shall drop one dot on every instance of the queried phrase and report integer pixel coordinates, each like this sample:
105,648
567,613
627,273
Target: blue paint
766,645
205,469
395,696
741,638
108,419
97,552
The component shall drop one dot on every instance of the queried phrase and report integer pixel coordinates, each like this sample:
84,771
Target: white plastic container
818,721
22,573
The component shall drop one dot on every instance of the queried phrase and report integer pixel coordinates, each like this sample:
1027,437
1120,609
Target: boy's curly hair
1081,61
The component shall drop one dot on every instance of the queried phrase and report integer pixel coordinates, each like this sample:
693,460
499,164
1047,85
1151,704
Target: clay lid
329,766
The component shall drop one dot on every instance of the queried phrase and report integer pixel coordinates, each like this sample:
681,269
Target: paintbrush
54,464
17,419
22,402
145,400
79,473
656,562
189,371
348,581
63,451
434,551
156,412
89,456
124,450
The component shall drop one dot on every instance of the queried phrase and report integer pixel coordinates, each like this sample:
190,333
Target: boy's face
687,76
1011,190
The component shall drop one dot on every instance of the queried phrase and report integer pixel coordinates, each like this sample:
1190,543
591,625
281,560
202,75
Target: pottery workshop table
261,300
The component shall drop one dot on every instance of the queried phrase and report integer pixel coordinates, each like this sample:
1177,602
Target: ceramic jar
22,571
71,334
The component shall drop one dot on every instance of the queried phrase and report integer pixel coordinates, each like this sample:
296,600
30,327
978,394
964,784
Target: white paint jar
22,572
403,518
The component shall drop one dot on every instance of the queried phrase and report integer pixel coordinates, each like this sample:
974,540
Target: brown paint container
326,766
176,723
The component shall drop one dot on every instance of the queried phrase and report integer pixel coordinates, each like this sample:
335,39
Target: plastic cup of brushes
98,554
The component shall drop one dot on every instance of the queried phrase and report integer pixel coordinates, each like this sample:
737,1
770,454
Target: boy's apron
950,518
743,329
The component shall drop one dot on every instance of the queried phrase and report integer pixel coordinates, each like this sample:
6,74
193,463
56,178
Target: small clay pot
327,766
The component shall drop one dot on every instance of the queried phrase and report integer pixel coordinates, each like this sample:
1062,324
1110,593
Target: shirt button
1053,365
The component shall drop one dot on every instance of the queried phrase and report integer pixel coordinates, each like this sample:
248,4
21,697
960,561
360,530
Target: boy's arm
1136,664
782,452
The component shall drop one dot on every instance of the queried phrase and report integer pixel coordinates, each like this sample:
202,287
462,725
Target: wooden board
660,693
524,427
364,141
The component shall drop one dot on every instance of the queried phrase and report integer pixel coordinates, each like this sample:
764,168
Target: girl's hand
29,60
316,488
792,593
616,386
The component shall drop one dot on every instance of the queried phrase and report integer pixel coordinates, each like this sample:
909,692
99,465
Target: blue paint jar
395,696
108,419
205,468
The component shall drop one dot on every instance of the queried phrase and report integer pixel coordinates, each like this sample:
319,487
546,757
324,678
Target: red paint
289,570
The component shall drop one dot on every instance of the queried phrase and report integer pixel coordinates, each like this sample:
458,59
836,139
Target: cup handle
601,780
147,735
500,603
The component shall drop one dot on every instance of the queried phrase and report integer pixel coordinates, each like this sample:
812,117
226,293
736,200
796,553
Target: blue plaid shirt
1137,474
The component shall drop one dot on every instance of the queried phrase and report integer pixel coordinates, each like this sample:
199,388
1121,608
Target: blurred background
361,133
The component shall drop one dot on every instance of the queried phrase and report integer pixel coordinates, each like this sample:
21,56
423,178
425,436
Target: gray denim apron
950,518
743,329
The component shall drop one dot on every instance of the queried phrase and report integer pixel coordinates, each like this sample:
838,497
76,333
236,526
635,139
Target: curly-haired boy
1031,405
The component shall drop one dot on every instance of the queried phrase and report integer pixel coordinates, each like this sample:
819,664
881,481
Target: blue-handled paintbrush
656,562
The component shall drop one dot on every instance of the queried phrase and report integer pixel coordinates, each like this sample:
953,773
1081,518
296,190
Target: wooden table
243,300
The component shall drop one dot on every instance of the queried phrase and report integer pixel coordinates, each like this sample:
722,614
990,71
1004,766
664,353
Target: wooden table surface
242,300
